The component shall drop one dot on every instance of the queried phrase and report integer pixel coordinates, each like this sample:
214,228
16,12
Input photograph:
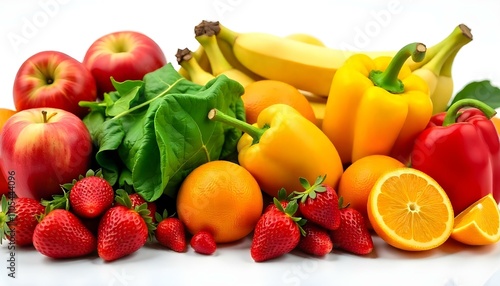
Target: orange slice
409,210
479,224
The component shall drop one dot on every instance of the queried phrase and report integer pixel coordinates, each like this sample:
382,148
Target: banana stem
186,59
446,69
227,35
460,33
217,60
446,55
388,79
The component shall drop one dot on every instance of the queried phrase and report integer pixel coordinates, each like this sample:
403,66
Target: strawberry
316,241
277,232
352,235
137,200
283,199
90,196
170,232
319,203
123,229
203,242
60,234
18,216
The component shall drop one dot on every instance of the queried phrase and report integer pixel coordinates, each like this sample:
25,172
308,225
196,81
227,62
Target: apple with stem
123,55
54,79
43,148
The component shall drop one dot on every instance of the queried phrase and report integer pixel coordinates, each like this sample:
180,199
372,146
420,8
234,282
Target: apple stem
45,118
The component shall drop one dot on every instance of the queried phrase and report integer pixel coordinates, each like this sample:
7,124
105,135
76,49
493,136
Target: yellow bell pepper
377,106
283,146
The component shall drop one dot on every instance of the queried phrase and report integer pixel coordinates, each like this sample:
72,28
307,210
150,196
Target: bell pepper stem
254,132
453,112
388,79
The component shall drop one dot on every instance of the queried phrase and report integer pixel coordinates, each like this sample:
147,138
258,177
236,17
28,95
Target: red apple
123,55
53,79
44,147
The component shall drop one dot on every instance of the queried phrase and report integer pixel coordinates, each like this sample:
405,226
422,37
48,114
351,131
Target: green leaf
480,90
181,137
109,137
164,133
93,121
129,92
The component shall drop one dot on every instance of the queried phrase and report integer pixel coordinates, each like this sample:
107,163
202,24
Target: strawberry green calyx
57,202
310,191
341,203
123,199
62,201
90,173
159,217
290,210
5,217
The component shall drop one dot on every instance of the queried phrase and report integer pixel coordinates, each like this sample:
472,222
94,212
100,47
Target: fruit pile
297,145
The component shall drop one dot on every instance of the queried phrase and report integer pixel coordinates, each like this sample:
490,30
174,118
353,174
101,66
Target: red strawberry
170,232
60,234
137,200
123,229
90,196
19,216
203,242
283,199
352,235
319,203
277,232
316,241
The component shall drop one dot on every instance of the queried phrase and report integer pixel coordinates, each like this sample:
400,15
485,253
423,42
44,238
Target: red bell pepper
460,149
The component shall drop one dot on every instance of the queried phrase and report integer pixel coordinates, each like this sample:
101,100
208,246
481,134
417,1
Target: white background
70,26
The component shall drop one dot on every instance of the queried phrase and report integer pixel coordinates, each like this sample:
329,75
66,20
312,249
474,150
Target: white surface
70,26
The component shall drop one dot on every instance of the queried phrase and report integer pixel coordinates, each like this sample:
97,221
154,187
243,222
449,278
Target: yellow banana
218,62
437,71
227,51
442,94
192,68
202,60
307,67
306,38
201,56
445,86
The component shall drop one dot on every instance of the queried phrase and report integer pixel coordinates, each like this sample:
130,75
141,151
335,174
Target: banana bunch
436,69
191,67
304,61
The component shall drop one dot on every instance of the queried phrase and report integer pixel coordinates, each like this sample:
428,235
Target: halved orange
479,224
409,210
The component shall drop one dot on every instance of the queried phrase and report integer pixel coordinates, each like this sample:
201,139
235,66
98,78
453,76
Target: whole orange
263,93
4,115
359,178
221,197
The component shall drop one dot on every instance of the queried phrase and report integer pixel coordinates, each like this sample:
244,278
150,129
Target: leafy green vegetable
151,134
480,90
